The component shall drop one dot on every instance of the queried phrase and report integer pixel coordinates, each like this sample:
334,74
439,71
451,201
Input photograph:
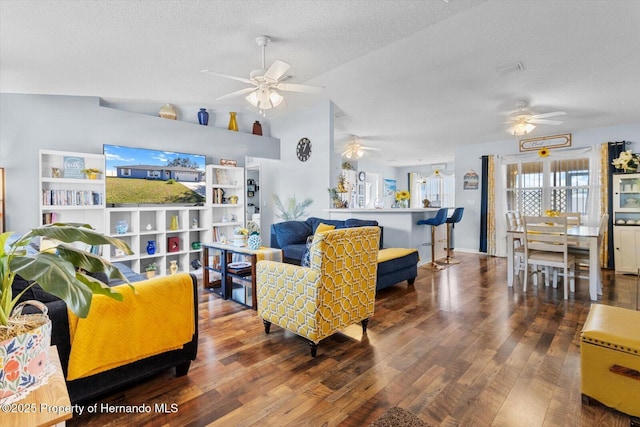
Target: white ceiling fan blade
544,122
226,76
551,114
236,93
370,148
276,70
292,87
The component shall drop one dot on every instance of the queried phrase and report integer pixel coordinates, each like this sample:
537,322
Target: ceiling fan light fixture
521,128
252,98
275,98
354,153
264,99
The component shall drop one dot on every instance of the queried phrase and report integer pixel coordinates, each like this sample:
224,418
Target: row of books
49,217
71,198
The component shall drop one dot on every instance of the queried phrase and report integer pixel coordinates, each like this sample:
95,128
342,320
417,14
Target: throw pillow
291,232
324,227
354,222
306,257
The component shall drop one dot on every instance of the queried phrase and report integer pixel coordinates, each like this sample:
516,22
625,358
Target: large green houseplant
61,273
25,339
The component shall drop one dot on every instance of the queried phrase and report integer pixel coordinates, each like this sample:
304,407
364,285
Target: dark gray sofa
90,388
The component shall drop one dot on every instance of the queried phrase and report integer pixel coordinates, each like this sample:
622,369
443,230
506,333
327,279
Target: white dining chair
582,253
518,247
545,244
573,218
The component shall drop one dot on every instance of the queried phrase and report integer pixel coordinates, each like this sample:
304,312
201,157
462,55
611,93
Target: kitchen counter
401,229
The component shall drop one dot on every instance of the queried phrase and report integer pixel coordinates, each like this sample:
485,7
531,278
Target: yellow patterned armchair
335,291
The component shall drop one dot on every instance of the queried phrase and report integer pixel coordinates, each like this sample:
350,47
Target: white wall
468,157
289,176
29,123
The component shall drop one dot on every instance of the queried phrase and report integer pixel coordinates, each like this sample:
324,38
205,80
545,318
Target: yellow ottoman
610,358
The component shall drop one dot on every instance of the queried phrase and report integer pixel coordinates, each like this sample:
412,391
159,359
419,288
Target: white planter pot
239,240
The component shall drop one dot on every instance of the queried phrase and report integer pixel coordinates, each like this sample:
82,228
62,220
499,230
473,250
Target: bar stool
439,219
455,218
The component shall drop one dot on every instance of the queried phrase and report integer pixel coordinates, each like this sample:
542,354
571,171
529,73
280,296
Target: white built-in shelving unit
67,195
145,224
226,184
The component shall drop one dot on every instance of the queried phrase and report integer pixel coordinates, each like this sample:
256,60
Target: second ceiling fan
354,150
523,121
266,82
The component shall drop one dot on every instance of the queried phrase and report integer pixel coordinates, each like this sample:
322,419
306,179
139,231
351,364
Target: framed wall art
470,180
551,141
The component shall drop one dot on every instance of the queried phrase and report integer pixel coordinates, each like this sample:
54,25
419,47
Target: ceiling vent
511,68
339,114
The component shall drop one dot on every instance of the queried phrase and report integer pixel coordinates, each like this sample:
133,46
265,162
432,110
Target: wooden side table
226,253
48,405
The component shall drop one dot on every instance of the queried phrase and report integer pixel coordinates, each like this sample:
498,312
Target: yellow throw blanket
157,317
393,253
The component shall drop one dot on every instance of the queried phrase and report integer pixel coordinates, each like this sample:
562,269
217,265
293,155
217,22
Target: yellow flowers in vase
402,198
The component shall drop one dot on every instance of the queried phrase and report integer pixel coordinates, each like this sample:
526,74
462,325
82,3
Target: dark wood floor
457,349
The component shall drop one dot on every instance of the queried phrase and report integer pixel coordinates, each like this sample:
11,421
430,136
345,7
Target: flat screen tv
145,177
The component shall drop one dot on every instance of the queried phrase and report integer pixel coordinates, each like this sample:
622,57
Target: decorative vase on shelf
233,121
173,268
257,128
151,247
203,117
403,203
122,227
174,223
168,112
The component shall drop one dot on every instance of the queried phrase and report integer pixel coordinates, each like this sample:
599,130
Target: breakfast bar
401,229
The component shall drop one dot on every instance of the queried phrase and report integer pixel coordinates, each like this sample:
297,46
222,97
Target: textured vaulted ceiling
413,77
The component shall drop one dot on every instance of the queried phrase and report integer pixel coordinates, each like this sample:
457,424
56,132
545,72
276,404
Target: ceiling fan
355,150
263,93
523,121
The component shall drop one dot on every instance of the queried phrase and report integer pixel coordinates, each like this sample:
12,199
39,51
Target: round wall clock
303,150
362,176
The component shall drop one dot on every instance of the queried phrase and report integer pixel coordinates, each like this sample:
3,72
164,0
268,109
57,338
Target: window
560,185
439,189
125,171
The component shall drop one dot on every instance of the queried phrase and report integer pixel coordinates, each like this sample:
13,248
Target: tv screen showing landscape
141,176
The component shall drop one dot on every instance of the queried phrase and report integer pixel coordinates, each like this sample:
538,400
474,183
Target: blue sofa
291,236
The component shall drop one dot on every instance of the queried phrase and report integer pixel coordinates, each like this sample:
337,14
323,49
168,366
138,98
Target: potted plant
151,269
293,209
91,173
24,339
240,236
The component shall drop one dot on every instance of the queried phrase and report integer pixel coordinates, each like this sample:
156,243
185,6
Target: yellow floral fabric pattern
335,291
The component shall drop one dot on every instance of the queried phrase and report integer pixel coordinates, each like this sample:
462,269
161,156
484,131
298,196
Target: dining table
582,237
